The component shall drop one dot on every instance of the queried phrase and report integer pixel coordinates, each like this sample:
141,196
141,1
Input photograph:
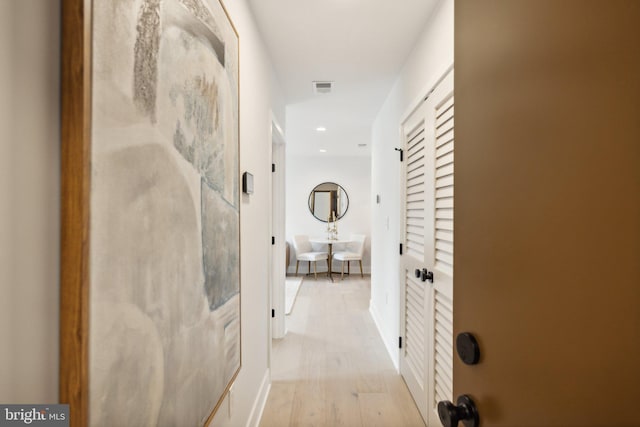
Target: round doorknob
418,273
450,414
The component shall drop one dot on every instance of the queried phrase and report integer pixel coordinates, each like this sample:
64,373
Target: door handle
426,276
466,411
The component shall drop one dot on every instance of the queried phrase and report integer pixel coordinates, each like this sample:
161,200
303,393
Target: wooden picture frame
150,245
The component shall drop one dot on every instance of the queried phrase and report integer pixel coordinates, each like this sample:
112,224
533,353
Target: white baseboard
393,352
261,401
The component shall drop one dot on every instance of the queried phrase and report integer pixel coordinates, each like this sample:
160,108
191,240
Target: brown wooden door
547,210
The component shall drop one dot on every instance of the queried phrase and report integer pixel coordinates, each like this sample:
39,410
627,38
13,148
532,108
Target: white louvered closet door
427,353
439,108
413,365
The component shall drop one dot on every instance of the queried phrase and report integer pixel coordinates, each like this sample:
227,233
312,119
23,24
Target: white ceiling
360,45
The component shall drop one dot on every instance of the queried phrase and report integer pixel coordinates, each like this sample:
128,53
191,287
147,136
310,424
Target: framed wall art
150,274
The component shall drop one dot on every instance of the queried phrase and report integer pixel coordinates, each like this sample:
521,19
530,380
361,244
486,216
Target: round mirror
328,201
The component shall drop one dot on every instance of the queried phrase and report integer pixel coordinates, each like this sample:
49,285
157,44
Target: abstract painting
163,209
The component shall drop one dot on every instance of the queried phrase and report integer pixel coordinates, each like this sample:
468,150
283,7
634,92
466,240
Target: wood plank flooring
332,369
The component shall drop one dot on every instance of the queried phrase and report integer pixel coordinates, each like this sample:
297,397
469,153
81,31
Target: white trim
424,94
393,351
280,139
261,400
278,225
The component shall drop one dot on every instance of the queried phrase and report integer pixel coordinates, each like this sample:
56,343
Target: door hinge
273,313
273,240
399,342
401,153
273,167
400,248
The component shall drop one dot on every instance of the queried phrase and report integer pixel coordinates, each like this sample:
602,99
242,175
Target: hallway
332,369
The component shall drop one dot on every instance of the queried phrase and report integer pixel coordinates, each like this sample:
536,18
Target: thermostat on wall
247,183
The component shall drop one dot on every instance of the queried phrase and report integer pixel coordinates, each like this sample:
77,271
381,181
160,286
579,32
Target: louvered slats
415,191
443,348
444,187
414,327
427,353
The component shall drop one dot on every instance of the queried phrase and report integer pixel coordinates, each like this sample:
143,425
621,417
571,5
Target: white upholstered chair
353,253
304,252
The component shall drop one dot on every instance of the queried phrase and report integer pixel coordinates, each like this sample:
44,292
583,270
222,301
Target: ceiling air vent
322,87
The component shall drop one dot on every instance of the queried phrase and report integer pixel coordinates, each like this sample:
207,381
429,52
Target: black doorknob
418,273
450,414
427,276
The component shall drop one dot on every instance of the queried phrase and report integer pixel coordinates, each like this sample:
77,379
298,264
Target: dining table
329,242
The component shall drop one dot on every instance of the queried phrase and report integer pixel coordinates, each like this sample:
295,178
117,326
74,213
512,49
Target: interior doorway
278,239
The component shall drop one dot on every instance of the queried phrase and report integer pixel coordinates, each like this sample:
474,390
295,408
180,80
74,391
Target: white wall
29,200
30,204
259,96
431,57
353,174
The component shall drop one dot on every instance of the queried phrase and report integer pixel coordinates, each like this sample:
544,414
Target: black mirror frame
313,191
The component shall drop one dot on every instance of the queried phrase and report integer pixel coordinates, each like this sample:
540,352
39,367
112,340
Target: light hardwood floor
332,369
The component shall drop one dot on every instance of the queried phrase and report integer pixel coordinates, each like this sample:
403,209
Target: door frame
277,271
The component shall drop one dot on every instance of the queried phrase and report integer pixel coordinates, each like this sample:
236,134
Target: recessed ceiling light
321,129
322,150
